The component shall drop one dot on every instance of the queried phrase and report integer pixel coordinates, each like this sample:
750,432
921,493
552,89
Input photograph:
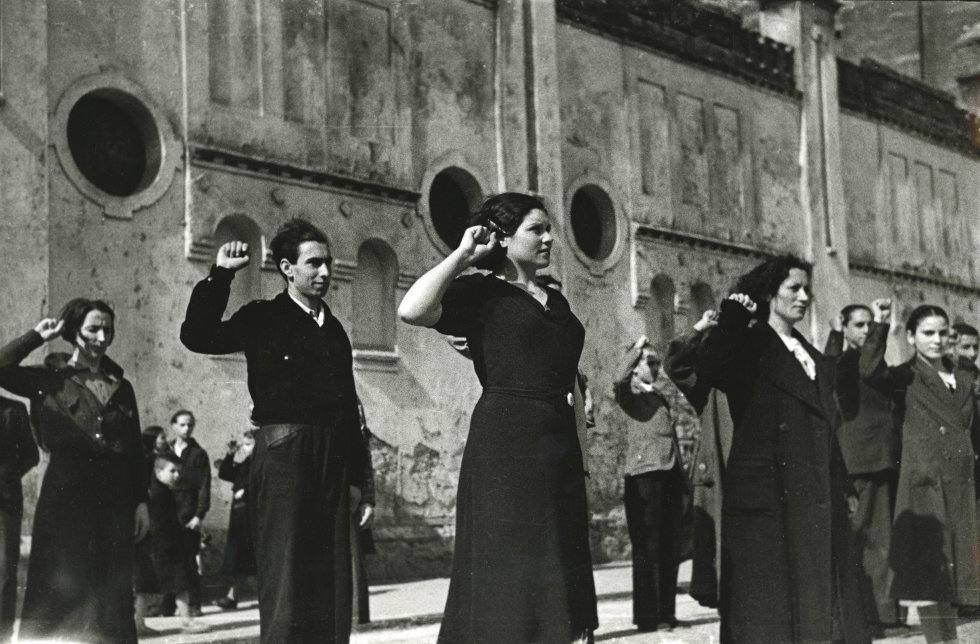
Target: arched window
248,281
374,297
660,312
702,299
453,196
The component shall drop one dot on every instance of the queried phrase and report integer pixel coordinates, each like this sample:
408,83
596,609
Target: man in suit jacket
655,486
870,446
18,454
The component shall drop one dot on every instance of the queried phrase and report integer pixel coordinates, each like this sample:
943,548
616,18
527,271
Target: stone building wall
671,164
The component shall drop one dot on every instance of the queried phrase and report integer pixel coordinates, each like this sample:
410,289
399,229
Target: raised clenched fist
882,309
233,255
476,243
49,328
745,301
708,319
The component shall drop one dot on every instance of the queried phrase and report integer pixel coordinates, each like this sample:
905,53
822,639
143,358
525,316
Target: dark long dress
80,574
522,570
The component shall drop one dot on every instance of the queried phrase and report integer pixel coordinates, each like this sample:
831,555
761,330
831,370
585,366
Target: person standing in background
193,494
966,346
18,454
708,461
871,449
239,559
362,538
655,486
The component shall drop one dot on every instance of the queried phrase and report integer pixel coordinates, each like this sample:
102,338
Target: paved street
409,612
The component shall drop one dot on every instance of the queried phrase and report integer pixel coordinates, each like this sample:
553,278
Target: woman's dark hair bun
503,213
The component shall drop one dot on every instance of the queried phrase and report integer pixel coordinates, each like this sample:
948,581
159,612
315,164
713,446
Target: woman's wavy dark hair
73,315
922,312
503,214
762,282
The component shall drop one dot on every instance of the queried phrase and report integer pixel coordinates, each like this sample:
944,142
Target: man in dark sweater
18,454
309,446
870,446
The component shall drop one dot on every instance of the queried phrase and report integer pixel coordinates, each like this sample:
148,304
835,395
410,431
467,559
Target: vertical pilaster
808,25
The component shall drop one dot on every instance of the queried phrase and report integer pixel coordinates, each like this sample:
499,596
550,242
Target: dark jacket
867,434
710,454
786,563
18,453
68,417
193,488
166,529
298,372
651,439
934,537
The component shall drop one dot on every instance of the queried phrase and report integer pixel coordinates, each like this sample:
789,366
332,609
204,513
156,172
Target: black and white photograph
489,321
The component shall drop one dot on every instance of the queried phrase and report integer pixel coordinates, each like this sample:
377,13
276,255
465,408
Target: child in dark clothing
166,539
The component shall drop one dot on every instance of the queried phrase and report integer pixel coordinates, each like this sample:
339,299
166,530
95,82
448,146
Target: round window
453,196
593,219
114,141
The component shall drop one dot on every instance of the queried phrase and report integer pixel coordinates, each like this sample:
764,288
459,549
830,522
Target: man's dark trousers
301,527
654,510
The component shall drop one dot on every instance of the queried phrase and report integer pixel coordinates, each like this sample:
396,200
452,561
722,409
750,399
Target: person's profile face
647,367
930,338
856,328
183,426
531,242
310,275
967,347
793,297
95,334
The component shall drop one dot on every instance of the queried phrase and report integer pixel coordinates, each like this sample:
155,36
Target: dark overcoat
934,537
708,464
80,573
788,573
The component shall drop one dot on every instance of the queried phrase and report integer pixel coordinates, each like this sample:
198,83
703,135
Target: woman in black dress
92,508
522,570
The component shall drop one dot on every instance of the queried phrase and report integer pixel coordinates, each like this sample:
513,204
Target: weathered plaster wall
911,205
24,262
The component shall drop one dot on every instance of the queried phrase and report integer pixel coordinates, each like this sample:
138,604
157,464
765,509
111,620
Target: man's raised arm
202,330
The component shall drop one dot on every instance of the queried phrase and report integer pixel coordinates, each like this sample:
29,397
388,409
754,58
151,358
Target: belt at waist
536,394
275,432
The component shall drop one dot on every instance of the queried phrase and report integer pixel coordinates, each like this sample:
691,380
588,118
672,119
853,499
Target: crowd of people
828,492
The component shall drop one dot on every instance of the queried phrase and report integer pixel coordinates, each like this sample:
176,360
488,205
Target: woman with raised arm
787,571
92,508
934,536
522,571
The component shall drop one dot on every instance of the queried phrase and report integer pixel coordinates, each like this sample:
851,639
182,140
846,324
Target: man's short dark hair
849,310
962,328
286,243
74,314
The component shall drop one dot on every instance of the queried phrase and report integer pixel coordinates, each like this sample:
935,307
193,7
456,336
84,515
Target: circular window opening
593,222
114,141
453,196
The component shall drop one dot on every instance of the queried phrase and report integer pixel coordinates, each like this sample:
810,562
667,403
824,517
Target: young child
166,539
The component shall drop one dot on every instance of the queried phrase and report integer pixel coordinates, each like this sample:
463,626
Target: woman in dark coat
522,570
787,572
92,506
934,537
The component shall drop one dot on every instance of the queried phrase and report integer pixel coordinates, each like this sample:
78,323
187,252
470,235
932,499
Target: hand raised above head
837,323
708,319
745,301
882,309
49,328
477,242
233,255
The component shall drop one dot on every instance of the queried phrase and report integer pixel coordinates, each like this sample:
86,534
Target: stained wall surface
346,113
